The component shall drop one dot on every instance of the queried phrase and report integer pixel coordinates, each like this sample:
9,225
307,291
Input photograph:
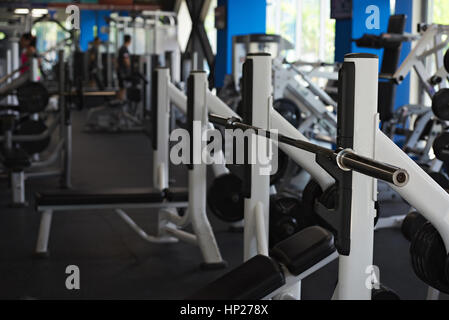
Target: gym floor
115,263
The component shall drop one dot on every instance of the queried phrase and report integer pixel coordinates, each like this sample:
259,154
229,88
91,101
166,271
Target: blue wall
243,17
348,29
403,91
90,19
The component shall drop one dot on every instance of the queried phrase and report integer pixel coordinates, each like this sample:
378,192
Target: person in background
28,45
94,67
124,66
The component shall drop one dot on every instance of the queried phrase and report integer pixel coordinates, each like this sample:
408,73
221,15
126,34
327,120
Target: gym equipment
440,104
433,35
33,128
256,88
360,75
441,147
411,224
225,199
33,97
384,293
289,111
429,257
446,61
161,196
28,137
287,217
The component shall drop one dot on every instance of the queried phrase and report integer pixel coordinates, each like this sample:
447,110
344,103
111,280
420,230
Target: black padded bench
261,275
109,197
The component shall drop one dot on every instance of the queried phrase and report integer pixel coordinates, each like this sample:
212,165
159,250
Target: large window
439,11
307,25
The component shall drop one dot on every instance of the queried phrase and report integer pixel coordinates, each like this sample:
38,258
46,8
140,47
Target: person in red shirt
28,44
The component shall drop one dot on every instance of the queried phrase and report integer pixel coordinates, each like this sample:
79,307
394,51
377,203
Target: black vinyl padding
177,194
110,197
16,160
253,280
99,197
304,249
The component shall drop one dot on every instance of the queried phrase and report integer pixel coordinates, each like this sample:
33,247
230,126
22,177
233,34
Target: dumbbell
441,147
440,104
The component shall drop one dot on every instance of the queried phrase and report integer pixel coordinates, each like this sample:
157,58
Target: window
209,25
306,24
439,11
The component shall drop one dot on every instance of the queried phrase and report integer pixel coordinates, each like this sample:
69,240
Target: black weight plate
446,61
225,198
440,104
441,179
33,97
384,293
283,161
411,224
289,111
429,256
31,127
441,147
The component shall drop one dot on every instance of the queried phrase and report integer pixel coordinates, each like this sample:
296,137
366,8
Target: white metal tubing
140,232
261,232
303,158
261,97
44,232
421,192
9,69
352,269
177,97
34,68
198,172
182,235
161,155
18,187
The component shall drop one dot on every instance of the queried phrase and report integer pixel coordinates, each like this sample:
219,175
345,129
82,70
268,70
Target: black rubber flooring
115,263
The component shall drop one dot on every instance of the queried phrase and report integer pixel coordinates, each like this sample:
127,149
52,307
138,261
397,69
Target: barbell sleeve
345,159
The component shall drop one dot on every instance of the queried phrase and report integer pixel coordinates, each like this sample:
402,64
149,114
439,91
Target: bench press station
161,196
357,113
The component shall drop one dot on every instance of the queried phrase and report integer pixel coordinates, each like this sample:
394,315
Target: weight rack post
257,103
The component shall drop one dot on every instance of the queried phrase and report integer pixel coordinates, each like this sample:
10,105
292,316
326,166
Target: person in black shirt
124,66
94,67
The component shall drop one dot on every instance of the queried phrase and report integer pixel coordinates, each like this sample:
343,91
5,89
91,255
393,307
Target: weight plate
33,97
31,127
440,104
446,61
289,111
225,198
282,165
441,147
441,179
429,256
411,224
384,293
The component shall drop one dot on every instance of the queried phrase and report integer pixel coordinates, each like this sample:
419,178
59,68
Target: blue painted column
403,90
349,29
87,22
242,17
